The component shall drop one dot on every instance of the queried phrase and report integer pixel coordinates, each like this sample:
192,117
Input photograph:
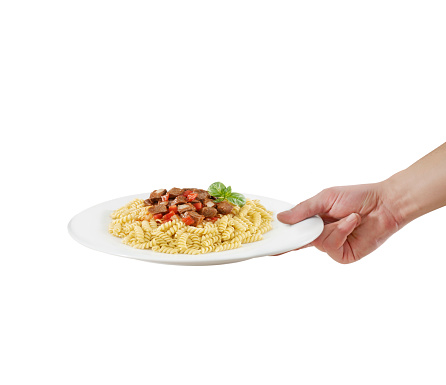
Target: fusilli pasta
139,229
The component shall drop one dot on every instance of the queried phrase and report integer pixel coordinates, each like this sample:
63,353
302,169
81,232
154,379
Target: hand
358,219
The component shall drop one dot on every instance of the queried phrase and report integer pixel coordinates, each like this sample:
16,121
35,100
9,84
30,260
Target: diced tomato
165,198
168,216
173,208
187,192
188,220
213,219
164,220
198,205
191,196
158,216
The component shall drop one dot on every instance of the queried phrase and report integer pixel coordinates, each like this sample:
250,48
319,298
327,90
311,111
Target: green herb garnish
221,192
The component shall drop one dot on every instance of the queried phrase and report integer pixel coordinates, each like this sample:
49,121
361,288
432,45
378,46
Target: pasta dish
191,221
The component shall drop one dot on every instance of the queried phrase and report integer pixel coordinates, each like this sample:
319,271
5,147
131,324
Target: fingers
334,236
316,205
333,239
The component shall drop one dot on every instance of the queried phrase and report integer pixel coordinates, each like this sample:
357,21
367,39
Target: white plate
90,228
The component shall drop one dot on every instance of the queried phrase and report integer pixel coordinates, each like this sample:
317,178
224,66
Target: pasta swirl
140,230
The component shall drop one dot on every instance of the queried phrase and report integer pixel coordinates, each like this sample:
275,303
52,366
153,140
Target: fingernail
351,218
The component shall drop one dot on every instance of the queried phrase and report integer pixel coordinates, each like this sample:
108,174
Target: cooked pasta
140,230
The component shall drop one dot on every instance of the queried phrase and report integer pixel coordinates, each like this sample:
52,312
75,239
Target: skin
358,219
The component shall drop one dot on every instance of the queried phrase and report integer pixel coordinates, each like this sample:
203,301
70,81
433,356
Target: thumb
318,204
334,236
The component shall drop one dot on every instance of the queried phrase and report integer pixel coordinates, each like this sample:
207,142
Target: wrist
399,199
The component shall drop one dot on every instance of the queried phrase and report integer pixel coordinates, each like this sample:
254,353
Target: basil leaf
217,189
237,199
221,193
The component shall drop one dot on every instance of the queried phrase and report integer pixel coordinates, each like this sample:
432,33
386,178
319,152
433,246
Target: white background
101,99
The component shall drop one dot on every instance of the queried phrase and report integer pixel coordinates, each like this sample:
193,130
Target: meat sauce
191,205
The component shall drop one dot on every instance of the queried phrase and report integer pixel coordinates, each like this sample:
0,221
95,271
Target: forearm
419,189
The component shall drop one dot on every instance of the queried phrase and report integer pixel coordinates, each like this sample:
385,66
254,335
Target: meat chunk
224,207
148,202
201,194
157,209
170,203
156,194
180,199
196,217
186,207
174,192
209,212
208,202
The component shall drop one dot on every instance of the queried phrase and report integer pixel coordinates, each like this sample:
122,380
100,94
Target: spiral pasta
140,230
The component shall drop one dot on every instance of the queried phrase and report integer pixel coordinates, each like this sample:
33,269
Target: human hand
358,219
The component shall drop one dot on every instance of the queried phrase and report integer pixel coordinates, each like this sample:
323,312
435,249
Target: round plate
90,228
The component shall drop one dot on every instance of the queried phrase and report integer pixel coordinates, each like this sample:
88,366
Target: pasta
138,229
